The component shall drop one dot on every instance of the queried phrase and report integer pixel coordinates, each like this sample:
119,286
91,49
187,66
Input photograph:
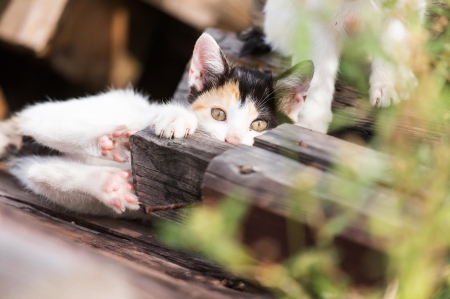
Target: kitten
327,24
92,175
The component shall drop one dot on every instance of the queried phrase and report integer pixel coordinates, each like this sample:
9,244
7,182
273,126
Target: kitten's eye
218,114
259,125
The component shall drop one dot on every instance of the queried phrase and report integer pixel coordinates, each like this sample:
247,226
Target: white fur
320,23
78,179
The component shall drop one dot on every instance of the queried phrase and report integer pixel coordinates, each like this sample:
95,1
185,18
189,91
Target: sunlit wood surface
227,14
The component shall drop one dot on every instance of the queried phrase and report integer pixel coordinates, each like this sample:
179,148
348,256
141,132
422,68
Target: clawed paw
381,95
116,146
176,122
118,192
392,87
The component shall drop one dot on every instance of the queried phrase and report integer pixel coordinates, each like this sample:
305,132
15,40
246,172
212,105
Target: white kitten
325,24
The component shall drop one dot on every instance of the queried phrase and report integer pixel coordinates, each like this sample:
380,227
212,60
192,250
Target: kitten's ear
292,86
208,63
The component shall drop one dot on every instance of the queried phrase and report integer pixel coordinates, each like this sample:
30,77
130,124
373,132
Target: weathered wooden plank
31,23
271,185
36,247
315,149
270,181
168,171
132,240
227,14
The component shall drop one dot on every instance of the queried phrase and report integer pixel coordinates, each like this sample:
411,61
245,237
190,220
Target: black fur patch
253,84
254,42
257,86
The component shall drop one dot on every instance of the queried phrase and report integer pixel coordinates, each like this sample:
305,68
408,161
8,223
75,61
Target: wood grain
281,191
168,171
53,246
293,190
226,14
315,149
130,242
31,23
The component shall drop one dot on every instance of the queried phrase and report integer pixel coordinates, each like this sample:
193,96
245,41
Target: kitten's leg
77,186
391,81
316,112
78,126
75,126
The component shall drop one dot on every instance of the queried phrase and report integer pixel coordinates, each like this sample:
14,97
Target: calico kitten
326,25
92,174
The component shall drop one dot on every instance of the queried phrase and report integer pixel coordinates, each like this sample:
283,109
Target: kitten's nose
233,140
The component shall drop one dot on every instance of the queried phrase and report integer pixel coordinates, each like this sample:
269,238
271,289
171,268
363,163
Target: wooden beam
36,249
226,14
315,149
132,243
272,182
282,193
31,23
170,171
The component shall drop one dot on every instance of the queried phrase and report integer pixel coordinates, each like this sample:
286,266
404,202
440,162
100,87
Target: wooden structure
42,240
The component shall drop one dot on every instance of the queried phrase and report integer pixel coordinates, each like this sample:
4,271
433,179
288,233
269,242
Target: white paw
393,87
118,192
116,146
382,94
175,121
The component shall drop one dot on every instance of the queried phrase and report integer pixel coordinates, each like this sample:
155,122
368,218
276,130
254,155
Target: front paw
175,121
382,94
392,87
116,146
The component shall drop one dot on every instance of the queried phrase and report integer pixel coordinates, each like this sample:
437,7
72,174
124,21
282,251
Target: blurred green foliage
417,175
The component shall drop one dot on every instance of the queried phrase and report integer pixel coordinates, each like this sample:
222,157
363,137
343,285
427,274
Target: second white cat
317,29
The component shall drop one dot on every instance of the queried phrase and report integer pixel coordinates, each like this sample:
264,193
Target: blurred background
70,48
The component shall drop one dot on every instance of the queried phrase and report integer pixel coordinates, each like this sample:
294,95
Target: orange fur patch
221,97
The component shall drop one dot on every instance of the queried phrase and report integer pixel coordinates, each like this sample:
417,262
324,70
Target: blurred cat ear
208,63
292,86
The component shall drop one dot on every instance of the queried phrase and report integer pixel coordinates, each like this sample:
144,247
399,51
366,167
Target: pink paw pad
117,203
112,185
118,192
116,145
130,198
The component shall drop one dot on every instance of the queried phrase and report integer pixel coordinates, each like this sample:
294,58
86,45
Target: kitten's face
236,104
239,108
